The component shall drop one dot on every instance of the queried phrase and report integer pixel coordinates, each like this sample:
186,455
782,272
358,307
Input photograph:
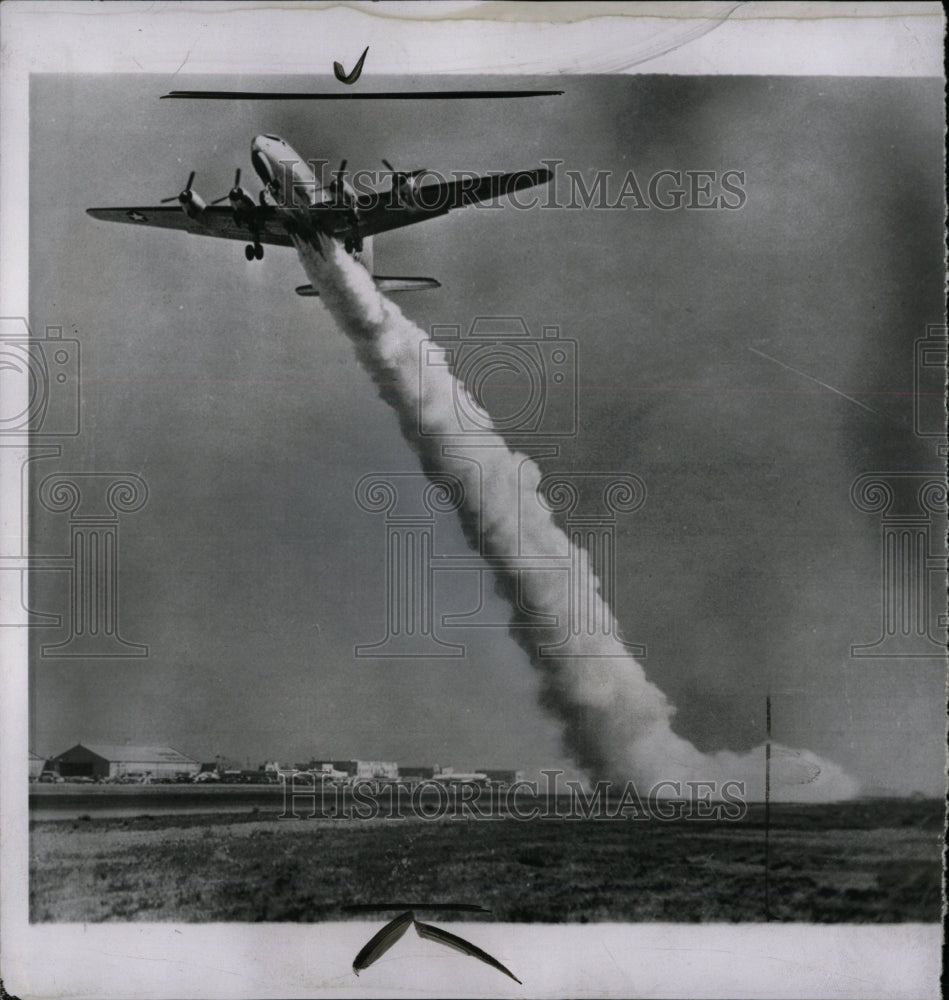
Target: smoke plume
617,724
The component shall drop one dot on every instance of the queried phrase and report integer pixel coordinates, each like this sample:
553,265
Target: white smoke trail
617,724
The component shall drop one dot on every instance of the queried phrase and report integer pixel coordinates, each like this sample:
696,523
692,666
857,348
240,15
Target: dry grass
876,862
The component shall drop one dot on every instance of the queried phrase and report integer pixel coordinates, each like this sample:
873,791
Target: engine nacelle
405,189
192,204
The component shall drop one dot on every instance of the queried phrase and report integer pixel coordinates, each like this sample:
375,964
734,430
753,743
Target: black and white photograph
474,499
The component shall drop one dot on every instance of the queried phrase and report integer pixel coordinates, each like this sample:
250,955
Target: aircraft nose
260,160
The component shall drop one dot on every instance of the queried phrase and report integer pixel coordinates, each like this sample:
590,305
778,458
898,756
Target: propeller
236,193
184,196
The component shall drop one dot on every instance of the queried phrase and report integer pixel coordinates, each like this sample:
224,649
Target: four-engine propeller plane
294,205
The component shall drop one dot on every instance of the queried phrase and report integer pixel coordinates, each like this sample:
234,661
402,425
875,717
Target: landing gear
352,243
254,251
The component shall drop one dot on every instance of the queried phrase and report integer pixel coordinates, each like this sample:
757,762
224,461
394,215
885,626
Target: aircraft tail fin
385,283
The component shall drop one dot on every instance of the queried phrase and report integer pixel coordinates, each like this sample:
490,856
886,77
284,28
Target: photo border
170,959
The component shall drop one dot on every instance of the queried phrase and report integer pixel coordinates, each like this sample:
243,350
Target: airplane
463,778
293,205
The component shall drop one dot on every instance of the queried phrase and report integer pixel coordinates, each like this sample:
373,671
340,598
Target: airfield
200,855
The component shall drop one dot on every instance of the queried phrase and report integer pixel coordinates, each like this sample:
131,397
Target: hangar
97,760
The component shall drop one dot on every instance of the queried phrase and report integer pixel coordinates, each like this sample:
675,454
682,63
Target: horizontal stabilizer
384,284
394,284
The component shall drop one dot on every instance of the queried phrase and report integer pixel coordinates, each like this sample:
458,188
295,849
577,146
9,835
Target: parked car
50,777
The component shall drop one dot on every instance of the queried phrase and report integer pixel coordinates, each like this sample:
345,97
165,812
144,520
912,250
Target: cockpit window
276,138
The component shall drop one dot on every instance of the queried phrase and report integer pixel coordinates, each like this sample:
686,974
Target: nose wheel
352,243
254,251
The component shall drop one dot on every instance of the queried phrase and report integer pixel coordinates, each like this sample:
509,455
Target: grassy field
856,862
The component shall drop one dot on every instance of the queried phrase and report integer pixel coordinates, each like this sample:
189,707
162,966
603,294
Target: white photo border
240,960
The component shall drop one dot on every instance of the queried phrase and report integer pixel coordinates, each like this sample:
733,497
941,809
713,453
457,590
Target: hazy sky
252,573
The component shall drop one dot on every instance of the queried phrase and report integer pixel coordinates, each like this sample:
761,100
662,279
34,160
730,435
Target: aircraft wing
377,213
382,212
215,220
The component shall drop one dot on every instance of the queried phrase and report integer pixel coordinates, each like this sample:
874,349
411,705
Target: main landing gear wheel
252,252
259,252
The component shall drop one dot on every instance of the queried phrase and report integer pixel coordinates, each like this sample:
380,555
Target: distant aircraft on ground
294,205
463,778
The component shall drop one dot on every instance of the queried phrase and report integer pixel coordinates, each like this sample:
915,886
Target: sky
709,344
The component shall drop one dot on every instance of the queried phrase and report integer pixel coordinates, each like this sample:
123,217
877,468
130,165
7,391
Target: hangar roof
129,754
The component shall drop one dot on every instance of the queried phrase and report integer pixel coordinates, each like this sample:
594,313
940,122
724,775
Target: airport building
117,762
96,760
